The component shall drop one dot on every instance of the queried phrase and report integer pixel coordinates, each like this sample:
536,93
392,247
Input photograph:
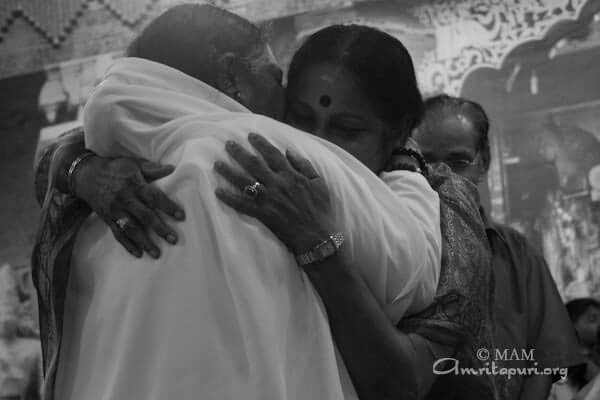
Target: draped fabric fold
461,315
230,294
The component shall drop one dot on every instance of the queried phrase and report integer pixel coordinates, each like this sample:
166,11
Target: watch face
323,250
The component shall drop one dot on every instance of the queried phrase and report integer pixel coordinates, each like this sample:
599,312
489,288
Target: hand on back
120,191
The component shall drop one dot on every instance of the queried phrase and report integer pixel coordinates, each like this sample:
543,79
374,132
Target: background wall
20,125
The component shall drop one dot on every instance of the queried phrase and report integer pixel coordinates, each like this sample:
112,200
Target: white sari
226,313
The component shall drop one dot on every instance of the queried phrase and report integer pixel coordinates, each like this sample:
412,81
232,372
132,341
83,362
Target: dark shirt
528,311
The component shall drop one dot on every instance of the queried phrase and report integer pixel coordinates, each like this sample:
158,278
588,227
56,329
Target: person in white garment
226,313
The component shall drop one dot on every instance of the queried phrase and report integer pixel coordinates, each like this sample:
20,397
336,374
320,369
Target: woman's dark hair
442,105
576,308
380,63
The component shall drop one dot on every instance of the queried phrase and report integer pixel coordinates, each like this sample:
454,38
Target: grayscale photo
300,199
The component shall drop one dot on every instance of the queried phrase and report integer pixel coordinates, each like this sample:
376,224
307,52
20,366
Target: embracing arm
293,202
113,189
383,361
53,161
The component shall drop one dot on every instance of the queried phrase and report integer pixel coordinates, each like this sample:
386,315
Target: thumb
153,170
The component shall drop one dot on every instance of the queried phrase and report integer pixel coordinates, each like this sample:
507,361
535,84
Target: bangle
415,155
408,167
74,166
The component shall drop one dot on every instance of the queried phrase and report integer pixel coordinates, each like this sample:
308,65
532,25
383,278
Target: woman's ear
228,76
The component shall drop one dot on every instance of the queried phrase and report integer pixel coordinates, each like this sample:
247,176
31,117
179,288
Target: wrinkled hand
119,188
292,201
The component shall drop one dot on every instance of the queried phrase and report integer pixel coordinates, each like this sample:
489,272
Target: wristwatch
325,249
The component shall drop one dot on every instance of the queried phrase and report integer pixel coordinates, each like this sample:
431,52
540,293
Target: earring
237,96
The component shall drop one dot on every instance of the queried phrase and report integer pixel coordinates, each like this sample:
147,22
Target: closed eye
349,123
300,111
299,116
459,164
349,128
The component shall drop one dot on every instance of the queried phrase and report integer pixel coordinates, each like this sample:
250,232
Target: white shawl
226,313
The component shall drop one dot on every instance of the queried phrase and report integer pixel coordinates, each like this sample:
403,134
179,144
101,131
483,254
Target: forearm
54,160
536,387
383,362
63,157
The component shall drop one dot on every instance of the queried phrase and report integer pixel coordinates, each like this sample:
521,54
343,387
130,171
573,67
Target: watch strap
321,251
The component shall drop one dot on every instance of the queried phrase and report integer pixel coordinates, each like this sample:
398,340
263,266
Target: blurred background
533,64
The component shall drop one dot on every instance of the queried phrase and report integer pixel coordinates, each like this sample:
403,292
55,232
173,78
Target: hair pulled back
380,63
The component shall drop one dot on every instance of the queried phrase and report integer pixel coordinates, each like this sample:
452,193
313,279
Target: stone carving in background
469,34
571,240
560,211
55,19
472,34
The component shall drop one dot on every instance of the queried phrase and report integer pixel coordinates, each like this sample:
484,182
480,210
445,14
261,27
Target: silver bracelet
73,168
321,251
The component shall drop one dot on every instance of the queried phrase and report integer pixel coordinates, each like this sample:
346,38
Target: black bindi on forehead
325,101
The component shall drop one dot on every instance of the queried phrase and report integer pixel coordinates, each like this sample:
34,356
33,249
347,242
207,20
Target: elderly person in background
528,311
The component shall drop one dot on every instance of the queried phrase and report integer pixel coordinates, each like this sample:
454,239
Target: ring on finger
252,191
123,223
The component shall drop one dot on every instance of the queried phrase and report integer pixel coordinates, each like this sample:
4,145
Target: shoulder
516,241
459,200
508,233
407,183
454,190
521,252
